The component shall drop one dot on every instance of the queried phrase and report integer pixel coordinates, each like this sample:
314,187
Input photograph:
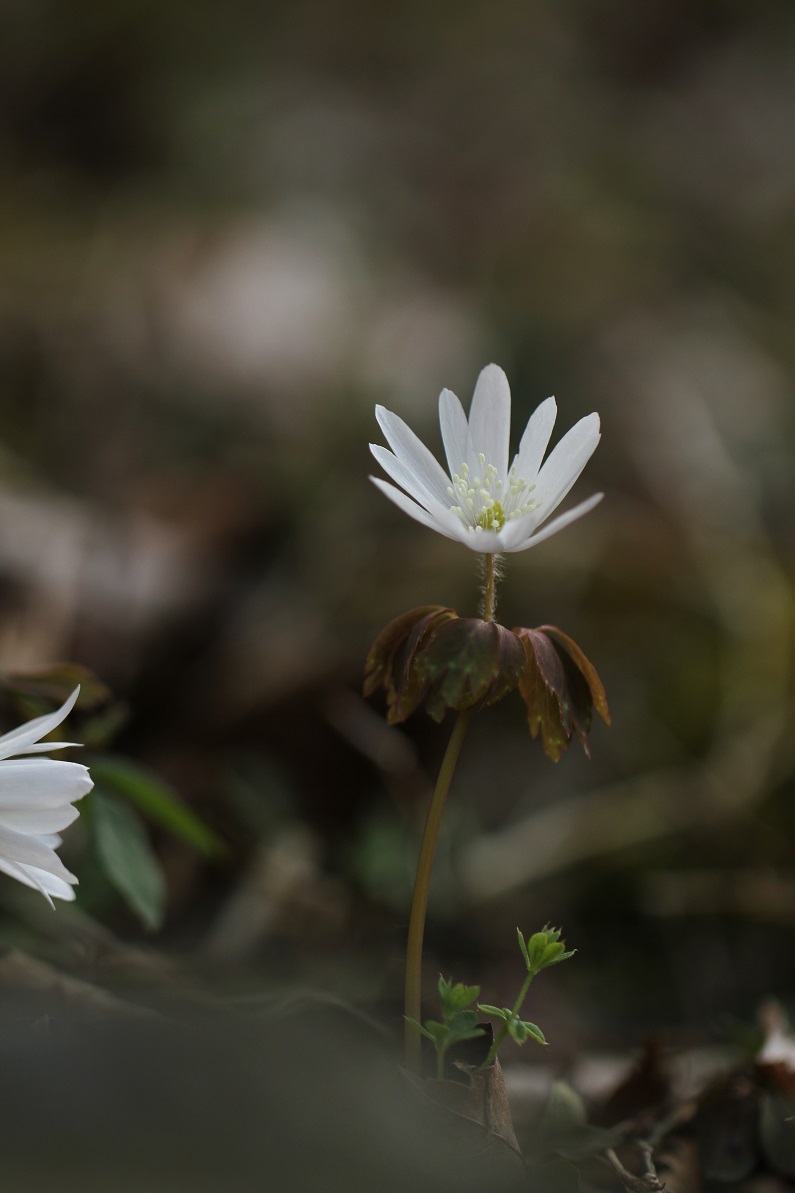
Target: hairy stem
422,882
489,587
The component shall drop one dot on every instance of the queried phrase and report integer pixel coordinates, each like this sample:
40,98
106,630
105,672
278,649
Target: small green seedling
457,1023
543,949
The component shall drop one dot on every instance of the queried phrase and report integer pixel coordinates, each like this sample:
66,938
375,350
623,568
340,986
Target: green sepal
523,947
497,1012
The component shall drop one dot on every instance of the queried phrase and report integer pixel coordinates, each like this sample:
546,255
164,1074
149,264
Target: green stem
422,882
489,588
517,1006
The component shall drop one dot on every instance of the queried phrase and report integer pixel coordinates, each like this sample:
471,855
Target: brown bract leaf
469,662
585,668
560,687
390,661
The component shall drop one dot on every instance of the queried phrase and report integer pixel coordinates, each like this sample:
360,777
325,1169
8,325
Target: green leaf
127,858
464,1026
497,1012
454,998
155,799
523,947
418,1027
438,1032
521,1030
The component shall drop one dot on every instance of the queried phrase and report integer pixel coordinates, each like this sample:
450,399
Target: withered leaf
469,662
480,1100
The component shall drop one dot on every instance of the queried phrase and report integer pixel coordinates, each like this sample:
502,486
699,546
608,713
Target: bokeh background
225,234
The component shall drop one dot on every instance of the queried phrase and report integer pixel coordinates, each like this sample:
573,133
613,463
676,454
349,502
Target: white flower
483,503
36,796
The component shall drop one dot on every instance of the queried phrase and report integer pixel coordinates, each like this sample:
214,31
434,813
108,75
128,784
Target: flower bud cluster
543,949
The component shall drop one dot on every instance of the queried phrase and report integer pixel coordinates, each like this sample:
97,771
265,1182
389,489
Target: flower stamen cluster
486,502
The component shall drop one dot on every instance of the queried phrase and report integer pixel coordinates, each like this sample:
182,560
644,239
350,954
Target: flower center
487,501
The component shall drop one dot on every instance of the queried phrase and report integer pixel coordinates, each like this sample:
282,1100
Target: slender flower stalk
419,899
490,588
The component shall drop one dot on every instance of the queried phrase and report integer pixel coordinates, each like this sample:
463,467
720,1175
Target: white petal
51,839
485,542
415,511
28,850
455,430
42,782
518,530
535,440
557,524
17,740
413,453
39,820
44,747
46,884
404,477
565,464
490,419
